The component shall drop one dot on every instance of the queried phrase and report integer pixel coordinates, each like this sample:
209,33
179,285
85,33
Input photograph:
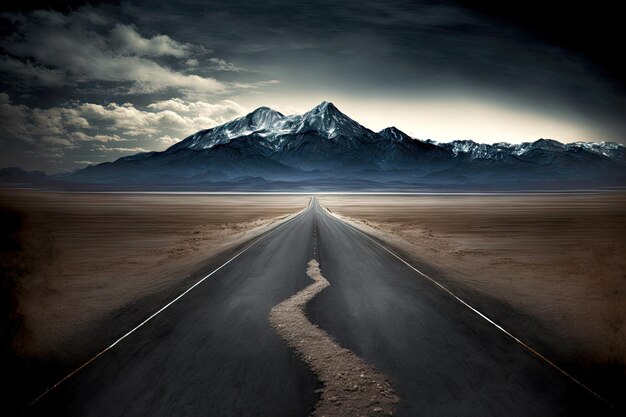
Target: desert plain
79,268
549,267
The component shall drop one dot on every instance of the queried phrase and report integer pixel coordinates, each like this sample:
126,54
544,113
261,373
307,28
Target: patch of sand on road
352,388
85,255
558,258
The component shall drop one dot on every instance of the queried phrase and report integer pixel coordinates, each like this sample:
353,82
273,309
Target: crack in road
352,387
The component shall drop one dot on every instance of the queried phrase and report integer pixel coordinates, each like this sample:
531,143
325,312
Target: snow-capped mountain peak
328,121
325,120
394,134
325,144
500,150
264,117
275,132
260,120
609,149
324,106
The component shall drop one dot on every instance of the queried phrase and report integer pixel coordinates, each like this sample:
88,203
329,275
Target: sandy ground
80,256
352,388
559,259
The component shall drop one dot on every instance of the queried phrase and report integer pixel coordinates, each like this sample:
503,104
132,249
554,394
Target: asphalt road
213,352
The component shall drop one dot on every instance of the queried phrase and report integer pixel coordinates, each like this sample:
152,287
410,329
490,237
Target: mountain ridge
327,146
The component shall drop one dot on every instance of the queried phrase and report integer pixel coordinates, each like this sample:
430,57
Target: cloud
81,131
129,42
223,111
33,125
85,162
28,71
222,65
51,49
125,150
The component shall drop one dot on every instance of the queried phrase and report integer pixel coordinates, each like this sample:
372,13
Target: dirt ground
352,387
79,256
559,259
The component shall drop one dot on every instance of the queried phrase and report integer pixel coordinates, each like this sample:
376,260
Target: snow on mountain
261,120
324,143
325,120
474,150
394,134
609,149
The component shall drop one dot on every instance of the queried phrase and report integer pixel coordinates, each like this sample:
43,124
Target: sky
84,83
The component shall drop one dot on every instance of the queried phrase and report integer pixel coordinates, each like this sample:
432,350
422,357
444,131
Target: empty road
214,353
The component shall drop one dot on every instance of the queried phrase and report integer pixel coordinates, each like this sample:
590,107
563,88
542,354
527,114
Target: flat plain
83,267
82,256
549,267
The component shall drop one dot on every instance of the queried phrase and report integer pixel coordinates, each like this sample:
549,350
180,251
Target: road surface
214,353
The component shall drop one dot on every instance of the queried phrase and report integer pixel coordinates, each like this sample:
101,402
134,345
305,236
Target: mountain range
324,148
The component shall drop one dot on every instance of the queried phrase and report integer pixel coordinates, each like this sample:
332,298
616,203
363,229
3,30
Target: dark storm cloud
50,49
128,58
400,47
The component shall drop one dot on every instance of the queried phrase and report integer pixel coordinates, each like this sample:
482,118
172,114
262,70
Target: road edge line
159,311
476,311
